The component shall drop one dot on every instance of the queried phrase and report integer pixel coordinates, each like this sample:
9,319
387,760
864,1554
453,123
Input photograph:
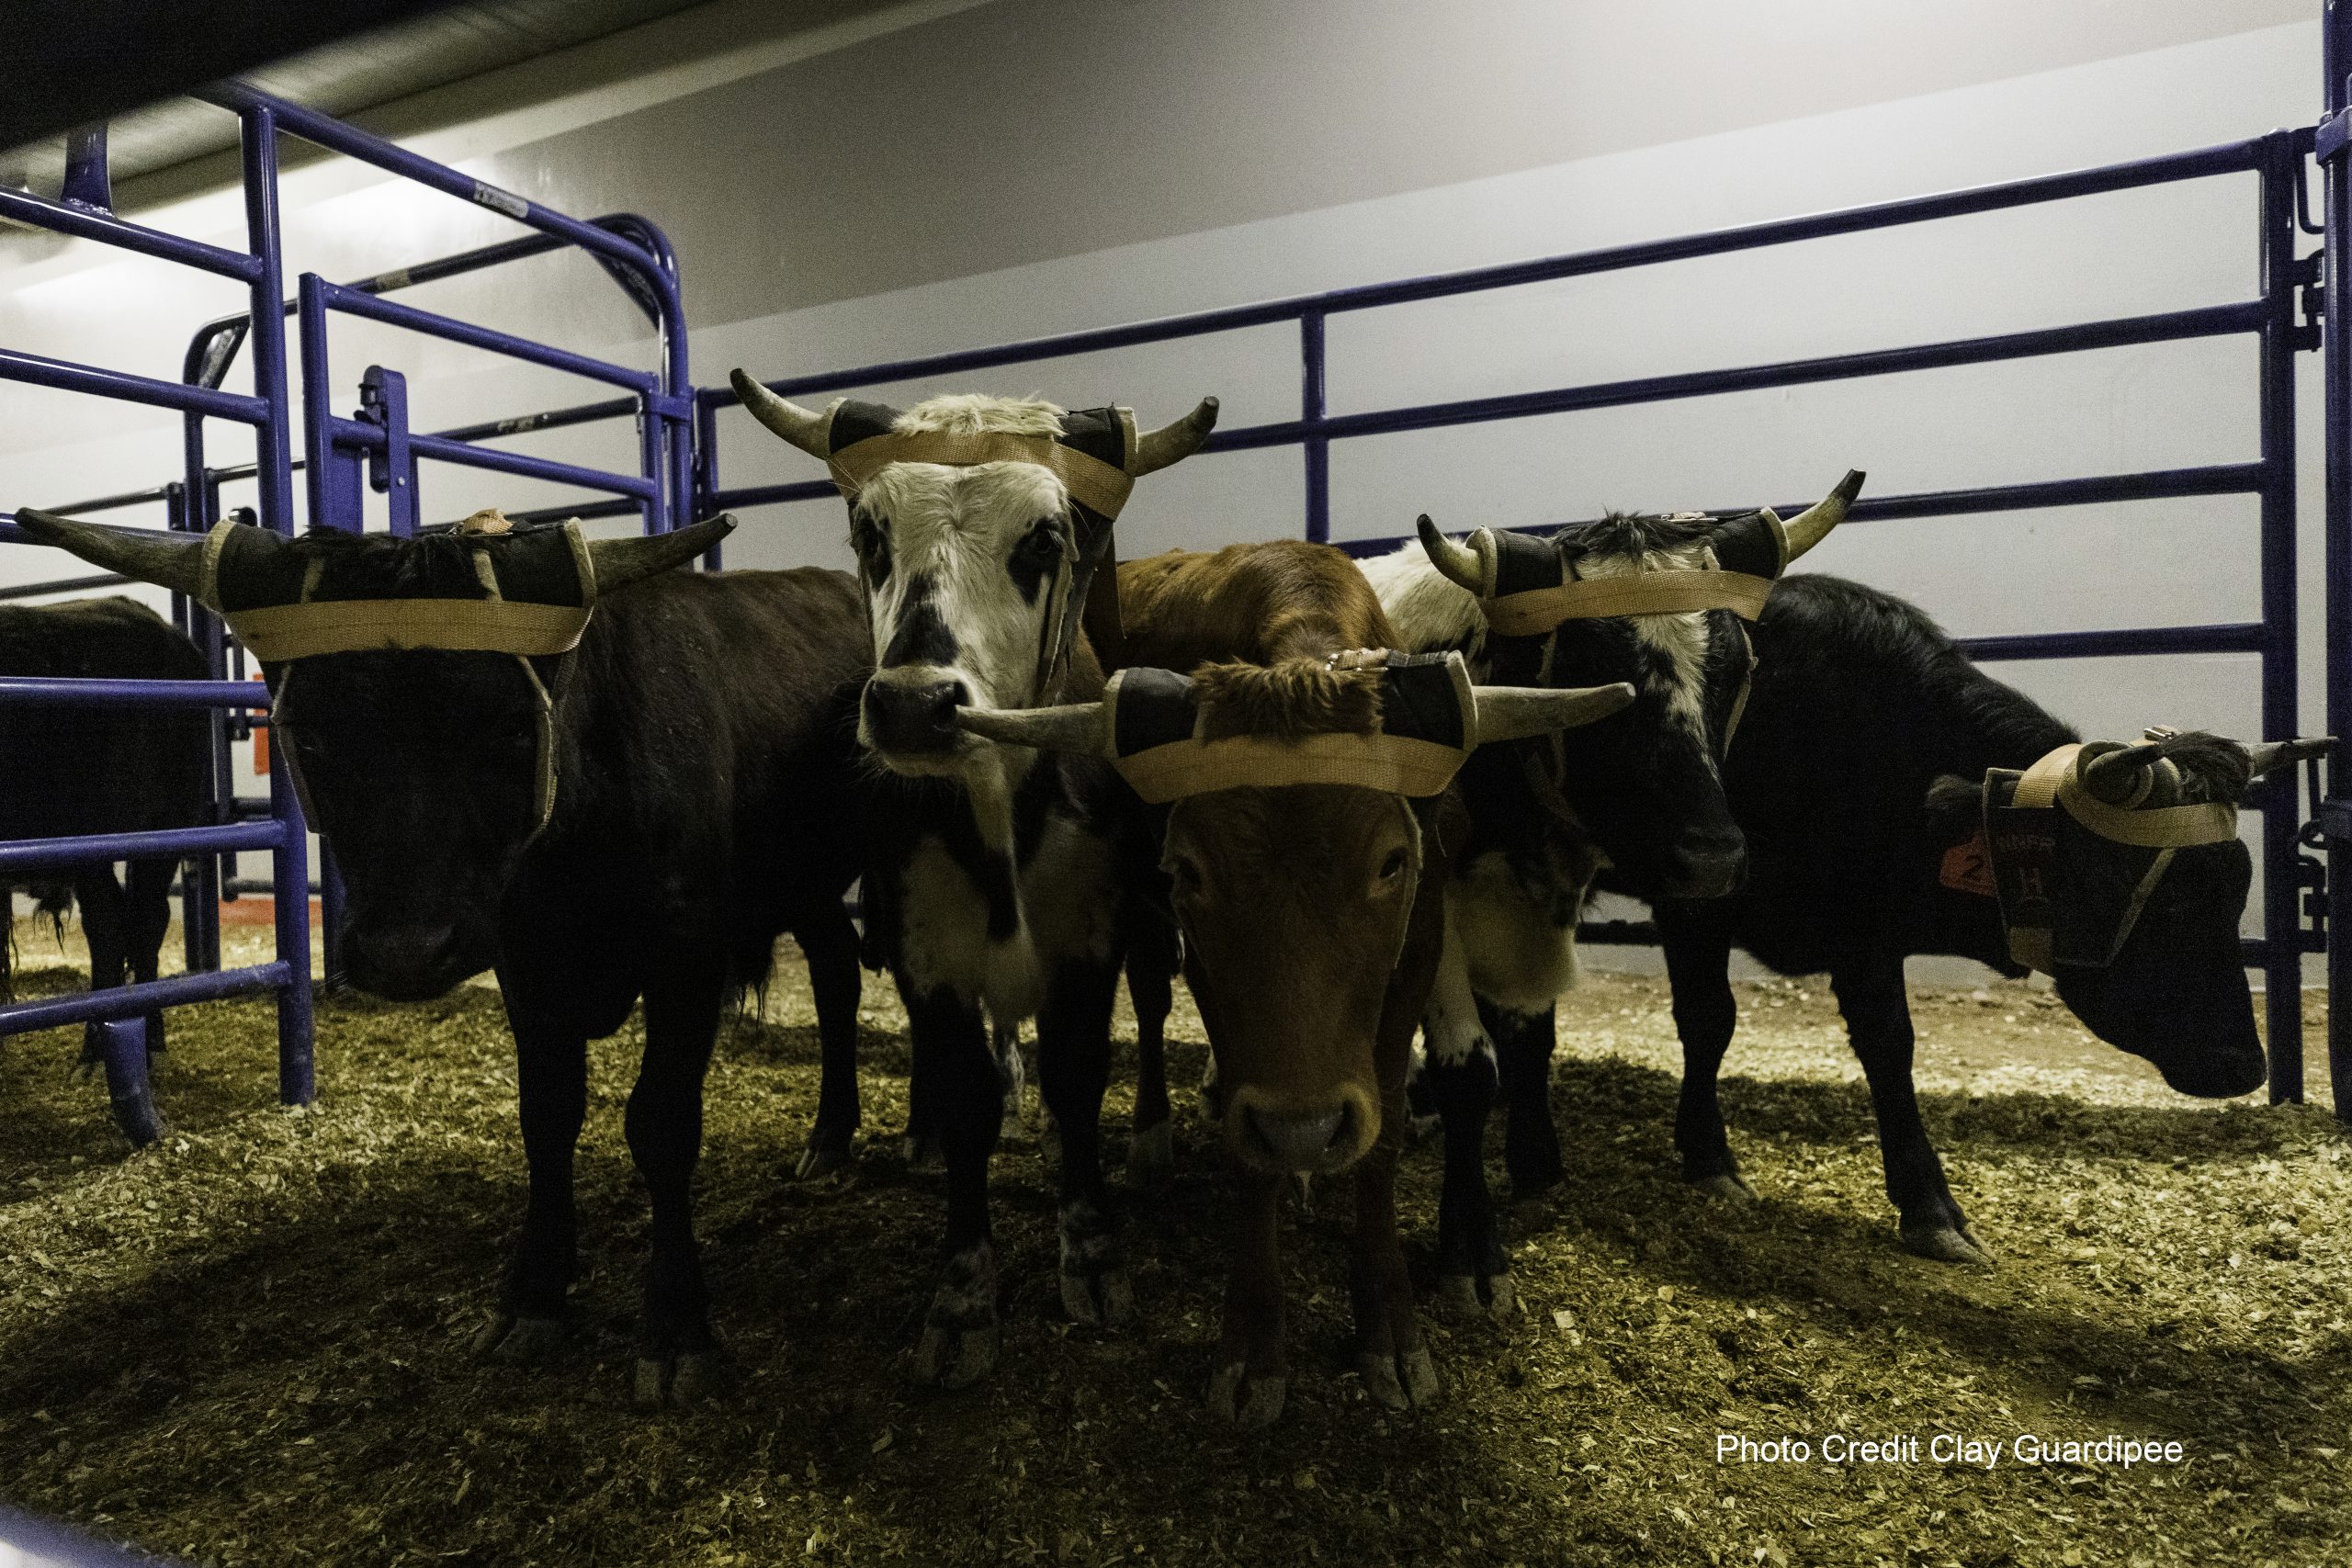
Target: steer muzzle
912,715
1705,862
1304,1136
413,960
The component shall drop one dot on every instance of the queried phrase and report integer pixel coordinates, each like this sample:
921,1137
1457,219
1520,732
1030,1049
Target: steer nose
413,961
1300,1140
1707,864
911,717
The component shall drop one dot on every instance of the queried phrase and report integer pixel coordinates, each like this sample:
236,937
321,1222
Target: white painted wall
943,174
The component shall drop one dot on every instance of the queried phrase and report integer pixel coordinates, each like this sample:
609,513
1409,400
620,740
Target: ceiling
357,74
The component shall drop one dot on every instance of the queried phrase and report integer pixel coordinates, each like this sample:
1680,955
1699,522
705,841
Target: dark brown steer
1307,823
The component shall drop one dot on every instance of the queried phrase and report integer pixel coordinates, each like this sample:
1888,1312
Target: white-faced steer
1661,602
996,884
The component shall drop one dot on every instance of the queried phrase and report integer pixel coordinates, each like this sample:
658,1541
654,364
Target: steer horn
1464,565
1082,728
1171,444
1514,712
2264,756
2121,776
169,561
812,433
1811,525
623,560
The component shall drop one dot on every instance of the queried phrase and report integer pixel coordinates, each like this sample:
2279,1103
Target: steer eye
1042,546
1394,866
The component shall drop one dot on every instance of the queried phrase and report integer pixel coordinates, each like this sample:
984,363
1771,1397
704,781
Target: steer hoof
1245,1399
828,1151
1477,1295
1728,1184
957,1357
1946,1244
1399,1383
1151,1155
1095,1289
691,1378
921,1152
519,1341
961,1333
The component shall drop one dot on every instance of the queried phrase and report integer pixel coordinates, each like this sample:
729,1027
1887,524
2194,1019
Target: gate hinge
2333,133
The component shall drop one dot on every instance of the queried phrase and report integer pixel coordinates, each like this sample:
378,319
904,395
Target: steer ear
169,561
1514,713
2266,756
812,433
1082,728
1466,565
619,561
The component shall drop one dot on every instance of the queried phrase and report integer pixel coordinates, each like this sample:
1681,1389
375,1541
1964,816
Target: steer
72,771
558,759
998,888
1658,602
1878,781
1306,775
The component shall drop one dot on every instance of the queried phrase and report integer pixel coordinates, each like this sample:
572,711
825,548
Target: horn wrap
812,433
1081,727
1171,444
2121,777
1514,712
620,561
1811,525
169,561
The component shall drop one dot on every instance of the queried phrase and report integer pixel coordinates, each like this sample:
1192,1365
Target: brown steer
1312,912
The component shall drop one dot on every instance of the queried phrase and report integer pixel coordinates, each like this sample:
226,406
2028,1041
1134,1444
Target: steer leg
1252,1361
1474,1271
1152,961
551,1083
1878,1025
148,916
953,1063
678,1356
1524,1042
1698,966
1390,1358
829,941
106,927
1073,1066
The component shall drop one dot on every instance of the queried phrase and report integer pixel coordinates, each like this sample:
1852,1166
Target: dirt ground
248,1344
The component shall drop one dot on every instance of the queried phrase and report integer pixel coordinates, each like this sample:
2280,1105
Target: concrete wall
908,178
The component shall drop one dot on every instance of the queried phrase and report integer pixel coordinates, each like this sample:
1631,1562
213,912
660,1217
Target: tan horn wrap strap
279,632
1394,764
1538,610
1090,482
2057,778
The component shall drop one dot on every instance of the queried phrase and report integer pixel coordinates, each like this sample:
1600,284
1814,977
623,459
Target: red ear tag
1968,868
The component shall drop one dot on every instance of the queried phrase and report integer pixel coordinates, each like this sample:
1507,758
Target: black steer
699,744
71,771
1859,780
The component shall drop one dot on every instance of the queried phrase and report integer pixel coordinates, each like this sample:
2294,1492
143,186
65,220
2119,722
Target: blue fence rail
287,978
2276,159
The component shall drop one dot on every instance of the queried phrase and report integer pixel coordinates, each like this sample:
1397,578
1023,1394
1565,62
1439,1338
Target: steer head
1649,791
427,769
2146,950
1295,898
977,523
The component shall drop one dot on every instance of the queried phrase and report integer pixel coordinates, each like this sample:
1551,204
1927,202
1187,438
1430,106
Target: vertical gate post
2280,796
2335,811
